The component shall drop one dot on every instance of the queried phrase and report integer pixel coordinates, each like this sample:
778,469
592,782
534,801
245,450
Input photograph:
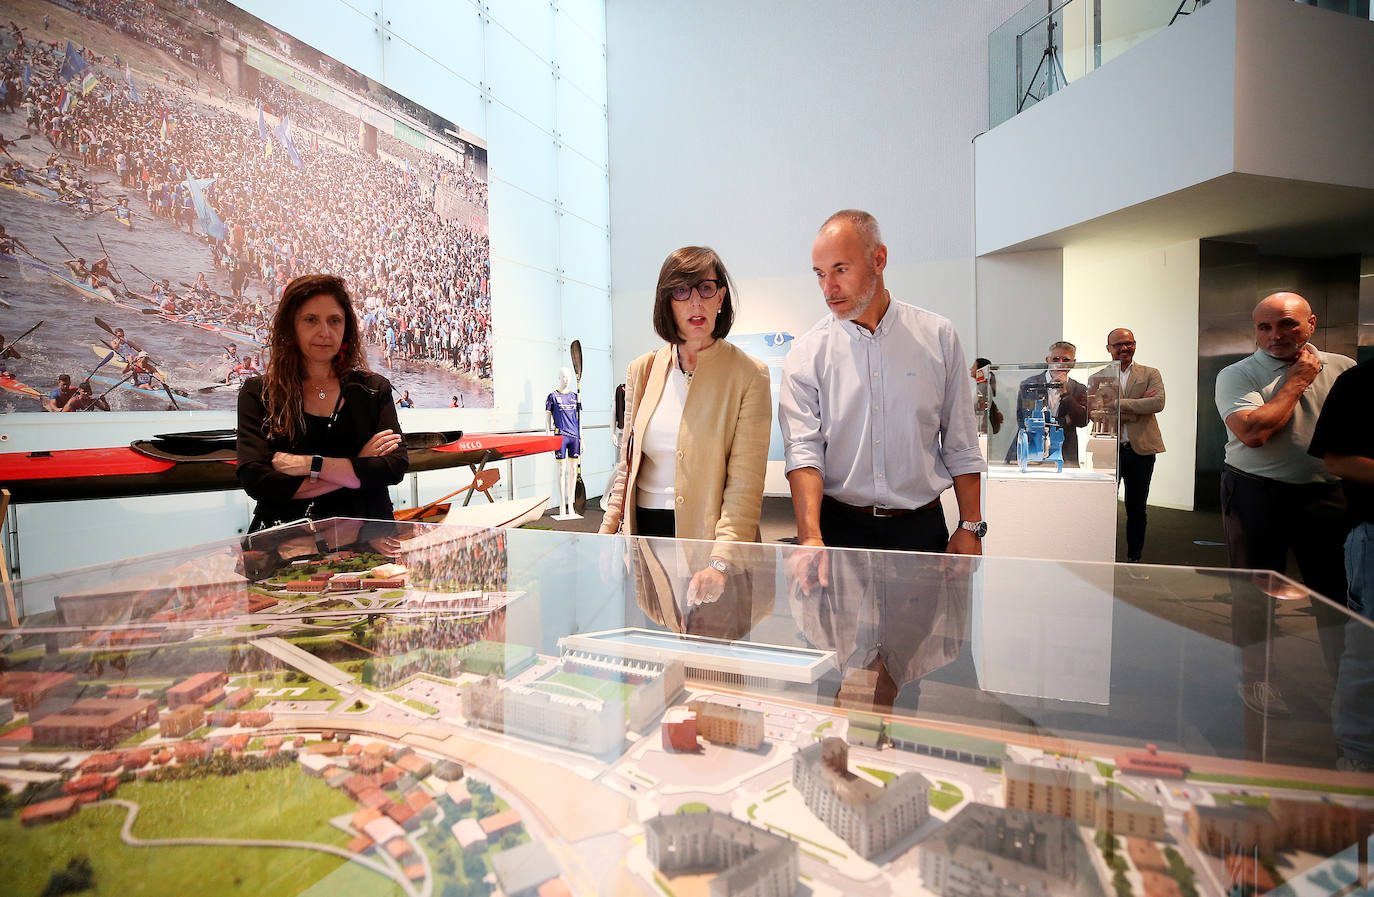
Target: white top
1251,382
886,417
658,464
1122,375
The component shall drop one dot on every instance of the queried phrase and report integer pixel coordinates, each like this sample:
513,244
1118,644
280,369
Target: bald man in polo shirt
1274,495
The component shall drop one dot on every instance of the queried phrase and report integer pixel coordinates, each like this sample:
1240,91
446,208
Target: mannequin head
564,378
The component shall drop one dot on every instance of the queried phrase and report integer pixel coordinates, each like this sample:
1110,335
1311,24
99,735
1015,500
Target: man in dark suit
1137,392
1065,399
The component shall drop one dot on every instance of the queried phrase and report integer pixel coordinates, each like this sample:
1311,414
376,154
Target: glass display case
365,707
1039,419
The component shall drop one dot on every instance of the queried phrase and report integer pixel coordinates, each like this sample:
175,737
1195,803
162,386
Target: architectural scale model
413,745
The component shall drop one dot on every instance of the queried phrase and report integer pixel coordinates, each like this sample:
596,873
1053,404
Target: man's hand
383,443
808,566
1307,366
1151,392
964,542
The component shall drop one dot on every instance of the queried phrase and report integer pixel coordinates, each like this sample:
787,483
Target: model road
127,836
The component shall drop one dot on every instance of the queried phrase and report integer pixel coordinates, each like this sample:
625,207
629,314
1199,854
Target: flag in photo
407,161
64,102
283,133
72,64
262,129
89,82
166,130
129,79
27,76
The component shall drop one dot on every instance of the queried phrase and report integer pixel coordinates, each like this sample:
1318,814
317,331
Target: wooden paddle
481,483
580,490
113,272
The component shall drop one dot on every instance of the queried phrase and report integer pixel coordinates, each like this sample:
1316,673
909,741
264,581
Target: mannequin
563,411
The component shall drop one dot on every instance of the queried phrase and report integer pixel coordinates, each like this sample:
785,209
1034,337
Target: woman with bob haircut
317,433
698,413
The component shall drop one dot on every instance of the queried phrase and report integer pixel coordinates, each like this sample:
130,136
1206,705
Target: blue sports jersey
565,408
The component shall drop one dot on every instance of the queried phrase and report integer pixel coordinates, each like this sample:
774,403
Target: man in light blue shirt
876,411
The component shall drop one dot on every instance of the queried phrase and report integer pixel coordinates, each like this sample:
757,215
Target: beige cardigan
722,445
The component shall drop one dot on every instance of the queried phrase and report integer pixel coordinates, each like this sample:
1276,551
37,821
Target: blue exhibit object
1040,439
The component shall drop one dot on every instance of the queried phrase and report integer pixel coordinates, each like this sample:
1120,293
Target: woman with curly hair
317,433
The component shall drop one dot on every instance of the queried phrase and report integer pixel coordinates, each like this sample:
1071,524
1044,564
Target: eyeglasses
706,289
1066,359
1128,344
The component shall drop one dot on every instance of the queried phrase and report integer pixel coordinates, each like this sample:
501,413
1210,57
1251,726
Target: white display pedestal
1069,516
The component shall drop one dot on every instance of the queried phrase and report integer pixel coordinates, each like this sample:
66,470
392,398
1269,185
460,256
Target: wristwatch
316,465
979,528
719,566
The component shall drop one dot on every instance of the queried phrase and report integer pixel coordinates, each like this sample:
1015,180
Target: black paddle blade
576,351
579,495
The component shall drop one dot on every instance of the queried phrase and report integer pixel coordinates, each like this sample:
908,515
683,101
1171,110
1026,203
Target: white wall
1020,305
1155,294
530,79
1155,120
743,125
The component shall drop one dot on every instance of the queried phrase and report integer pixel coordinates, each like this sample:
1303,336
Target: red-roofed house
237,744
238,698
179,722
361,818
222,718
50,811
28,690
136,758
91,782
355,786
554,887
422,803
377,799
1153,764
209,699
415,765
95,721
415,871
103,762
189,690
366,763
254,719
387,777
359,844
497,823
399,847
402,815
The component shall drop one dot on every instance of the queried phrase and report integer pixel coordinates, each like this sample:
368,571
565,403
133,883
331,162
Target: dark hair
283,377
981,362
690,265
65,378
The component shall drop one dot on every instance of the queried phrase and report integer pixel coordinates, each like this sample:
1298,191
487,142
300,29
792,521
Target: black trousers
1136,471
655,522
923,530
1264,519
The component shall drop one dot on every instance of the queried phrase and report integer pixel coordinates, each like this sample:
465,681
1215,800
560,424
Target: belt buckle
884,512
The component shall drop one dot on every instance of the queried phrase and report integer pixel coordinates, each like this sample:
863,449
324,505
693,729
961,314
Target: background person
698,413
318,434
1274,495
1135,393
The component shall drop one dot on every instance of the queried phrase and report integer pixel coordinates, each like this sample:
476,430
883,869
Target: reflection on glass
414,709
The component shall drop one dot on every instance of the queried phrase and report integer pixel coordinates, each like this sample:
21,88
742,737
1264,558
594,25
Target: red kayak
204,462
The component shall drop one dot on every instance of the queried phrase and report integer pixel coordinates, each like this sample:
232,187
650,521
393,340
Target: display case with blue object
1049,434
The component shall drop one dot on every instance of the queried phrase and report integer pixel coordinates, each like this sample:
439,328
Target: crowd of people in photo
474,562
422,282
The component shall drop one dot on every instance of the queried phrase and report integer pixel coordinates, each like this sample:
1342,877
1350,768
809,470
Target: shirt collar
858,331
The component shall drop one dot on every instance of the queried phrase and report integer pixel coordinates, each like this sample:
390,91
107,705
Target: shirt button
680,455
680,499
875,373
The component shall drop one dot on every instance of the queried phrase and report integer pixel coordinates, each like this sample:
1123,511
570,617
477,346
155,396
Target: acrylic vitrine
357,707
1049,418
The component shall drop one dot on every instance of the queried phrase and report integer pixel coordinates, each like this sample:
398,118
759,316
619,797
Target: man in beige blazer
1138,394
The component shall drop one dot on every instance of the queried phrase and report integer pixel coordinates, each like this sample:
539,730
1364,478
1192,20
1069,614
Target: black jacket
366,409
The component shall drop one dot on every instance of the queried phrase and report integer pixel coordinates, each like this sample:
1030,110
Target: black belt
875,511
1282,484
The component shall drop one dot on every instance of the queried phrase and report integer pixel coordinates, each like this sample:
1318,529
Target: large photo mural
167,167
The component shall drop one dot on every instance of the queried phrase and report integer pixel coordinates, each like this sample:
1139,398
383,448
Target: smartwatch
979,529
719,566
316,465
